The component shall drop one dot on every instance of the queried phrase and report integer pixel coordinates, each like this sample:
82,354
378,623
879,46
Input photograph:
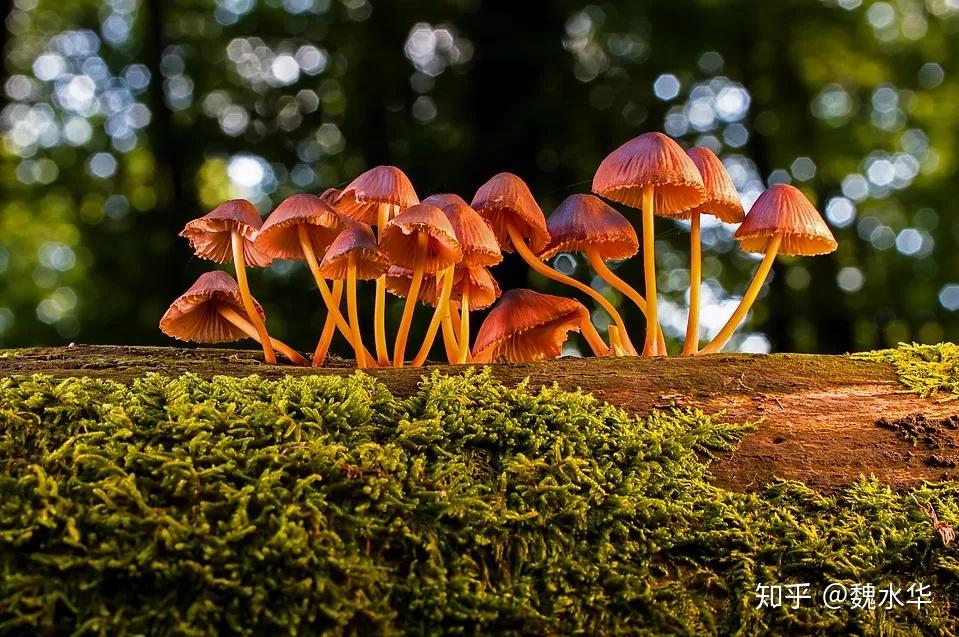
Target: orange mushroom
227,233
722,201
213,311
443,199
527,326
421,239
651,172
374,198
354,255
781,221
508,206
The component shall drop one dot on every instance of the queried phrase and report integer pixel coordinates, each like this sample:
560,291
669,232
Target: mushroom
584,223
508,206
354,255
227,233
300,228
444,199
722,201
421,239
213,311
527,326
781,221
374,198
651,172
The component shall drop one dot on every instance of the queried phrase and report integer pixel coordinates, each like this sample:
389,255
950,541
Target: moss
327,504
927,370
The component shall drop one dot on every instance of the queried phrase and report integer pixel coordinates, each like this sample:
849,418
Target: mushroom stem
438,314
239,263
354,315
617,283
616,342
695,284
649,271
383,213
250,330
329,328
333,307
450,343
464,338
593,338
549,272
399,346
772,248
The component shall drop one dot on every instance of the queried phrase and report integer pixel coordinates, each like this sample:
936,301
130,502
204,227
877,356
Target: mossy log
825,420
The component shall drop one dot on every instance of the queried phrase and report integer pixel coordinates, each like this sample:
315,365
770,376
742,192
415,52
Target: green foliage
325,504
925,369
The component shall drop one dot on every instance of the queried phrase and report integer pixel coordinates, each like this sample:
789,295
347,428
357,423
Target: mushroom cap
482,286
476,239
380,185
330,195
527,326
193,316
210,236
398,238
507,198
652,159
279,237
399,280
443,199
356,239
584,221
722,198
783,209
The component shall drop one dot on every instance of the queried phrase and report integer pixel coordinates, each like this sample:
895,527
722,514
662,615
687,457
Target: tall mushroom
227,234
651,172
374,198
527,326
781,221
300,228
213,311
722,201
420,239
354,255
508,206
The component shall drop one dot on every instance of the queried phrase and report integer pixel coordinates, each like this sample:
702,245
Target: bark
818,414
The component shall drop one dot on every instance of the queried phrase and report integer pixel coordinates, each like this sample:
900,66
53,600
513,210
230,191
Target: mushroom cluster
439,252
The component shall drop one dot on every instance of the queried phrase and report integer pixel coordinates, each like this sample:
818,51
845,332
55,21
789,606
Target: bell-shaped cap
722,198
380,185
399,239
652,159
194,317
355,239
476,239
210,236
483,288
279,236
504,199
399,280
585,221
527,326
783,209
441,200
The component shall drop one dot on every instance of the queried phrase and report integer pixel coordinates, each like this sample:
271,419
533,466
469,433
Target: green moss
926,370
326,504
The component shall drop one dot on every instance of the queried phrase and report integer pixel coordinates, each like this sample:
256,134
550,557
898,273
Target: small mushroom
421,239
227,233
527,326
213,311
354,255
781,221
651,172
444,199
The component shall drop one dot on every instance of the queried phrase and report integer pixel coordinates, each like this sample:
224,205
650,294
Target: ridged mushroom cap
443,199
722,198
483,288
355,239
506,198
475,237
193,316
210,236
585,221
398,239
279,236
527,326
783,209
380,185
652,159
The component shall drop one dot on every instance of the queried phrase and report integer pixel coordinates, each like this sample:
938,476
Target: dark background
122,120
